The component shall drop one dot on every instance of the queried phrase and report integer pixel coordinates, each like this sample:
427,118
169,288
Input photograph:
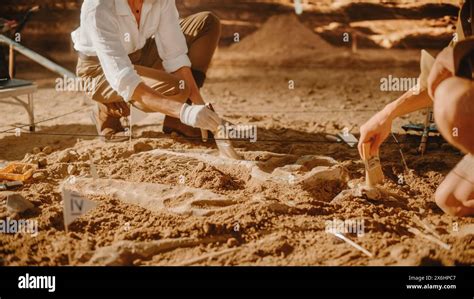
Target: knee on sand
454,112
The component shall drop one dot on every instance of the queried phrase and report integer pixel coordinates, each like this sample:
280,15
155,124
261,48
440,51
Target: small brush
373,169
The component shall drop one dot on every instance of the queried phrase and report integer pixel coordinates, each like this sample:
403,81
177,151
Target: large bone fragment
155,197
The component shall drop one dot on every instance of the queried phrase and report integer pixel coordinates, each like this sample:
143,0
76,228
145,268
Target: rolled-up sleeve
170,39
118,69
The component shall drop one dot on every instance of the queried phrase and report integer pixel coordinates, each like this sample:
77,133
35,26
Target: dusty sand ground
260,223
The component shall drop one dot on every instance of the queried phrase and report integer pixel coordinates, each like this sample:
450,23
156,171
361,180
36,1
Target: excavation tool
332,138
373,170
348,138
427,62
224,145
426,131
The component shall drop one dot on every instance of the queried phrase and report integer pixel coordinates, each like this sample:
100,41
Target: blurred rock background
378,24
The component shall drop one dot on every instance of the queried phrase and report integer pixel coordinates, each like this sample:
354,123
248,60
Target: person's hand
443,69
200,116
375,131
117,109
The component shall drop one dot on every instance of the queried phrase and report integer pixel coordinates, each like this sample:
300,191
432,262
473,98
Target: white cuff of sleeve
172,65
184,114
127,83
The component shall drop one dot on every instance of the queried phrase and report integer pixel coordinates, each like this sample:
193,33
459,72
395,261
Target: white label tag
75,205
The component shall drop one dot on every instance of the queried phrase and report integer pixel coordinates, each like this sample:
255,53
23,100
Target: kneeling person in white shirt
140,52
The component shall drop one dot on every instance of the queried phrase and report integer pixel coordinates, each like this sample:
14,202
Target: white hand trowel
224,145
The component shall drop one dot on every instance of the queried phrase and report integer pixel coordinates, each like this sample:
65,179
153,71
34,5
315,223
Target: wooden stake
373,170
11,62
130,124
354,42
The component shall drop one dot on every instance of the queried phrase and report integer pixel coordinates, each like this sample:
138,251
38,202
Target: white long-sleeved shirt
109,31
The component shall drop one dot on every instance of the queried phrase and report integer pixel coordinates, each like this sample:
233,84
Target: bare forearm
408,103
149,100
186,74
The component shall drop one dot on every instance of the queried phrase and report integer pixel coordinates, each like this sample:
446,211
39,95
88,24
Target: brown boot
106,118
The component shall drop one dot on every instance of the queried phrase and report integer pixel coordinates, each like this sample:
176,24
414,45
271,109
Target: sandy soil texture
164,200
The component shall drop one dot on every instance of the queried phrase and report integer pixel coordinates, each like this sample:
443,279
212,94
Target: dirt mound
282,39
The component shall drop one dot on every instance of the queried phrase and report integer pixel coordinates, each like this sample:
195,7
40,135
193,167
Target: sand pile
282,40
